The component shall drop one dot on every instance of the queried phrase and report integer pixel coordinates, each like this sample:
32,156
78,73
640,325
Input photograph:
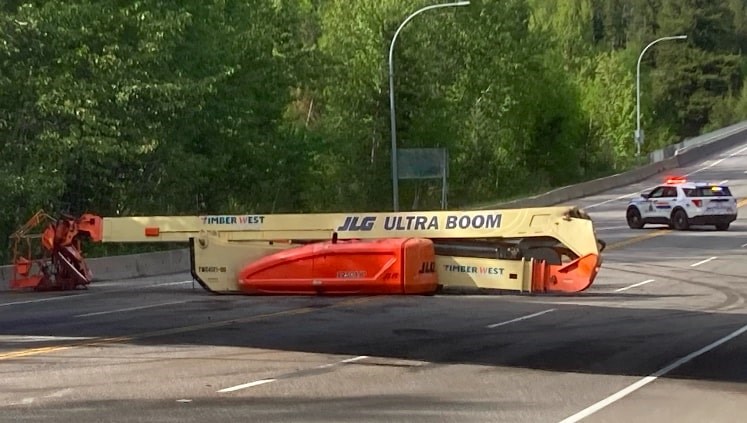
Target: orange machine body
576,276
59,262
383,266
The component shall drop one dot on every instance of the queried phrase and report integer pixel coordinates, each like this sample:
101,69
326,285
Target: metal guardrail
681,147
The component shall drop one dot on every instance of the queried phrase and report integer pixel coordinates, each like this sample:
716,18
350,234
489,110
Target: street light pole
638,134
395,175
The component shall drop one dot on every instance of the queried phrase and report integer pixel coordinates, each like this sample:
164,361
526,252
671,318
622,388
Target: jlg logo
428,267
351,224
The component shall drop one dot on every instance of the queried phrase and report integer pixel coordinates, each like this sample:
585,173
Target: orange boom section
576,276
385,266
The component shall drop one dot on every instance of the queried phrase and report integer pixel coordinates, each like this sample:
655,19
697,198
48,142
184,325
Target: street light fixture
395,176
638,133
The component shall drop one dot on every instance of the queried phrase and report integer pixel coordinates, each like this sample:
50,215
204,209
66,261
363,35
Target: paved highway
659,337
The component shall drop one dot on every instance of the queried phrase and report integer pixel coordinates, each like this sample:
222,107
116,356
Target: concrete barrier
668,158
126,266
719,136
140,265
690,153
585,189
6,273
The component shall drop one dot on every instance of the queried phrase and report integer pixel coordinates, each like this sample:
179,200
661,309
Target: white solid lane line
518,319
354,359
173,283
247,385
635,285
611,228
622,197
41,300
716,163
25,401
29,400
120,310
86,294
145,285
703,262
264,381
648,379
17,339
347,360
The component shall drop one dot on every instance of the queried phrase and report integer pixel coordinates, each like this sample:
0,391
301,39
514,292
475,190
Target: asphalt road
659,337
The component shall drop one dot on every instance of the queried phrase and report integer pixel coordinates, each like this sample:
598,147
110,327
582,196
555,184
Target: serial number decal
351,274
212,269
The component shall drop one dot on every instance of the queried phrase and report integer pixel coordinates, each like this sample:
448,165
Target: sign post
426,163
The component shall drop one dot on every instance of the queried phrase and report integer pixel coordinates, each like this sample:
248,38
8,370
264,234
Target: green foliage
692,77
223,106
609,103
729,110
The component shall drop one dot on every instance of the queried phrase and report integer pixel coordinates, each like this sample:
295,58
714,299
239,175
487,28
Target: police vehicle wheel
680,221
722,227
634,218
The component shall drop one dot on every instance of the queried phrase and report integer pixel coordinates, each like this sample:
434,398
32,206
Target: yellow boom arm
564,224
484,249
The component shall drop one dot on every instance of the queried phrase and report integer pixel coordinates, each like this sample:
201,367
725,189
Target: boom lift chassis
547,249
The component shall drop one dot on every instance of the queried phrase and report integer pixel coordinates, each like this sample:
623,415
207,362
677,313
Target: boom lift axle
550,249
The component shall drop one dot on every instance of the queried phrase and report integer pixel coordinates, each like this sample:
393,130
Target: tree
609,103
693,76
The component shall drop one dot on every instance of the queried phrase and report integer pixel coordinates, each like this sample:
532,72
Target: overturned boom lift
550,249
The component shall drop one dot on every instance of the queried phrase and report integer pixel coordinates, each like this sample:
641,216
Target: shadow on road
352,408
435,330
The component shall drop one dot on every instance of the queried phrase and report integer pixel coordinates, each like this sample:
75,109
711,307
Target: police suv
679,204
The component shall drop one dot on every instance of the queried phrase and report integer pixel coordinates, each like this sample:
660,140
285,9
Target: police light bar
676,180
